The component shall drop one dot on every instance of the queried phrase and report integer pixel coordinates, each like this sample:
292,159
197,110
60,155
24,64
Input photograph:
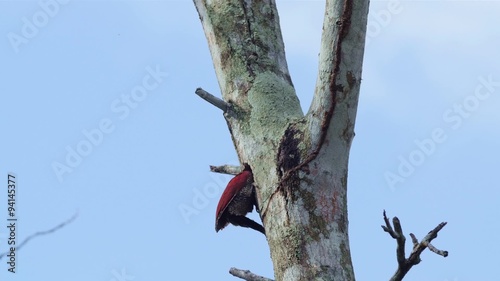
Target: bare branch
414,240
215,101
437,251
40,233
397,234
247,275
226,169
388,227
401,240
404,265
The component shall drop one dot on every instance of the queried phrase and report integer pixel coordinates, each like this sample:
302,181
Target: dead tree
299,161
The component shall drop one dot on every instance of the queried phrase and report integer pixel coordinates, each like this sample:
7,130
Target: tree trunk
299,162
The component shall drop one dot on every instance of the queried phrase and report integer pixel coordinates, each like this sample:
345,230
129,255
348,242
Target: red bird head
236,201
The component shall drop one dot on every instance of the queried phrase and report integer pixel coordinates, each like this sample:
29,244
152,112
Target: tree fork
299,162
405,264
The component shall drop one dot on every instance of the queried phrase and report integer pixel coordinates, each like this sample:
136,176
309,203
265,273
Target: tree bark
299,162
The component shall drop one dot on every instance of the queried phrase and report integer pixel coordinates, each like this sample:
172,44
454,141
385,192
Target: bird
236,201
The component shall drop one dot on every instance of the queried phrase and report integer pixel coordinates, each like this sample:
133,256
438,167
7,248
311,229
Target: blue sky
114,81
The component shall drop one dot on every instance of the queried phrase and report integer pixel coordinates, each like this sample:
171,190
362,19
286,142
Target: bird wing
233,187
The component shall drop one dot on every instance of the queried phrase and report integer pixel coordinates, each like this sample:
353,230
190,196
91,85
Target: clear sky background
426,146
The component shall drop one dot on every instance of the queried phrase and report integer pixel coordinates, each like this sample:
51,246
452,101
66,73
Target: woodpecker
236,201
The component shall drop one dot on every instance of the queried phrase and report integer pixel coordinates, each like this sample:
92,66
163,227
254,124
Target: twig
40,233
247,275
397,234
437,251
414,240
405,264
226,169
217,102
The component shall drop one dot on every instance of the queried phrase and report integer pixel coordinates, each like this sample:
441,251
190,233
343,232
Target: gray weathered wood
299,161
